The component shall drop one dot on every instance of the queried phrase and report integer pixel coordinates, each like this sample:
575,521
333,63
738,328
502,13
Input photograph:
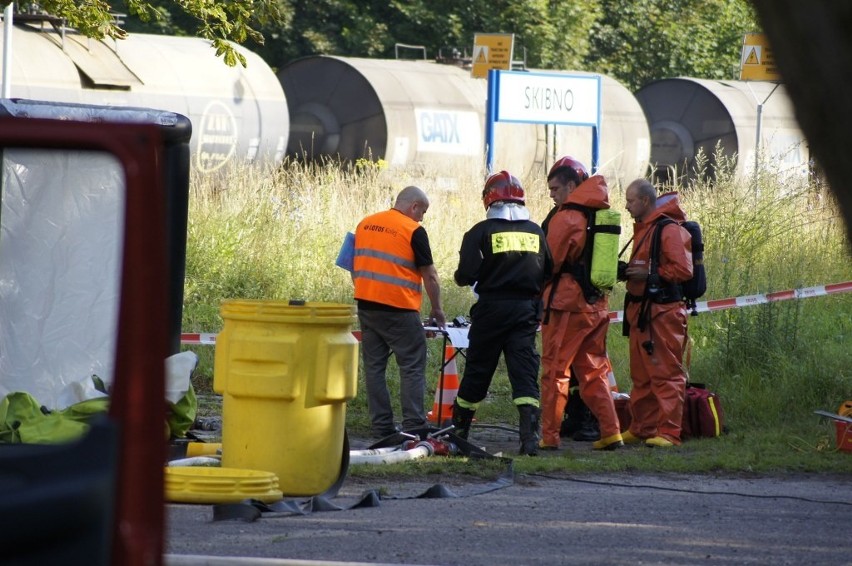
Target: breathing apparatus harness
579,269
657,290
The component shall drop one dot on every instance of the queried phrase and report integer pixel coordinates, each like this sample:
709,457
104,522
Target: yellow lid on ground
220,485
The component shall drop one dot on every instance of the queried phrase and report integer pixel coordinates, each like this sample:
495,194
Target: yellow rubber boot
628,438
608,443
659,442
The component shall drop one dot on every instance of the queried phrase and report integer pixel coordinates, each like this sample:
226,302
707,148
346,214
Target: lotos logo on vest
380,229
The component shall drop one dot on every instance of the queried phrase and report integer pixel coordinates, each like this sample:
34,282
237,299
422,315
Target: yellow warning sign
752,58
757,63
491,51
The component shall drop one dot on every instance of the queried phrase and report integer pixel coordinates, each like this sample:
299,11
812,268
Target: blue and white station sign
548,98
543,98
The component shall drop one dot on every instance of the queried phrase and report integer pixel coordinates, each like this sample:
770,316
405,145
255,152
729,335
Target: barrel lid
296,311
220,485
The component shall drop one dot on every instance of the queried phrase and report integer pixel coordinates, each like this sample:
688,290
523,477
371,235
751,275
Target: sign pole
759,123
490,118
757,63
596,159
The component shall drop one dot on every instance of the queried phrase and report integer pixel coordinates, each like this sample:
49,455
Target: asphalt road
591,519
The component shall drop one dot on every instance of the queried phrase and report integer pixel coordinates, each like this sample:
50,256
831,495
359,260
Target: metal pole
7,50
440,394
759,123
757,138
490,118
596,154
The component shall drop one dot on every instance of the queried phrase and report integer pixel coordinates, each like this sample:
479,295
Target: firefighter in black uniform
505,258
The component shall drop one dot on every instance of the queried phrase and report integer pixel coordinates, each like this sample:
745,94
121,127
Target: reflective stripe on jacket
384,268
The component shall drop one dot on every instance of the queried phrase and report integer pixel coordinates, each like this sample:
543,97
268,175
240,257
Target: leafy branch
219,22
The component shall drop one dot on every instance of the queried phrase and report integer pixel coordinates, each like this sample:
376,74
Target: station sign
543,98
549,98
757,62
491,51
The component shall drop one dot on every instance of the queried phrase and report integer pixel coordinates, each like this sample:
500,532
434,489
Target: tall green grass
775,363
275,233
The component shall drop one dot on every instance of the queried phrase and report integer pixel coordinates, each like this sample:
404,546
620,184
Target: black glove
621,273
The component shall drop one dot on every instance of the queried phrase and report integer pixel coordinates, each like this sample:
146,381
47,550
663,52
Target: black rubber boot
575,410
589,430
462,419
528,428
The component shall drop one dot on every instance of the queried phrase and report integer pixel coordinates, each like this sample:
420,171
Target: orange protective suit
659,379
575,332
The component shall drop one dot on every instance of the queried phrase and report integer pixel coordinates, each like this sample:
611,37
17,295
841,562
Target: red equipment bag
622,410
703,416
702,413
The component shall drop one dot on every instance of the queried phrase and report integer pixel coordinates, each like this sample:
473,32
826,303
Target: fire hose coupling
434,446
439,447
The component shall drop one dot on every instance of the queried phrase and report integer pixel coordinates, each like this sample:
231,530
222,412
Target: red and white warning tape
202,339
209,339
760,298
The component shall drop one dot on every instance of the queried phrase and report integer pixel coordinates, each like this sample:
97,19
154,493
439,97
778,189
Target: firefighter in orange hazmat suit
655,317
574,329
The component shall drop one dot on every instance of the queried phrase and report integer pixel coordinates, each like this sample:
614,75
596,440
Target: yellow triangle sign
752,58
481,57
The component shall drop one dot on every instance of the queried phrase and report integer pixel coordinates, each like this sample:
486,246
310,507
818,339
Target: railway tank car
420,115
236,113
404,112
687,116
426,114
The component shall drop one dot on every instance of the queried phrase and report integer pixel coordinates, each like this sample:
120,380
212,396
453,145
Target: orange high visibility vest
384,268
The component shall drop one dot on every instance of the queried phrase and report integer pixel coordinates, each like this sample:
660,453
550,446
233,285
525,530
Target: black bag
695,287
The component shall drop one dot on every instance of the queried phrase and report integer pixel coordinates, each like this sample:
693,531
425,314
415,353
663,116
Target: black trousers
508,327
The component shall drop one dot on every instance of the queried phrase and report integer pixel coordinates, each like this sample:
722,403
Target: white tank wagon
236,113
424,113
687,116
408,113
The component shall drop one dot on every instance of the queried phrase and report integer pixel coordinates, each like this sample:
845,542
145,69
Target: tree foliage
635,41
643,40
220,21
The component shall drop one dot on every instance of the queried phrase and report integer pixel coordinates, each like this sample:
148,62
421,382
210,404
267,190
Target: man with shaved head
392,264
655,315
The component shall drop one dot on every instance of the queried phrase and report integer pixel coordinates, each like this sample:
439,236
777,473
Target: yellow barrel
285,372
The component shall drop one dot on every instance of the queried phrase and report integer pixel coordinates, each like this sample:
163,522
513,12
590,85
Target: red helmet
502,186
569,162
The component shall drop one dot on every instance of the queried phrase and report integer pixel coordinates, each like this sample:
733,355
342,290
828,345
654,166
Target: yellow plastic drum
285,372
195,449
220,485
